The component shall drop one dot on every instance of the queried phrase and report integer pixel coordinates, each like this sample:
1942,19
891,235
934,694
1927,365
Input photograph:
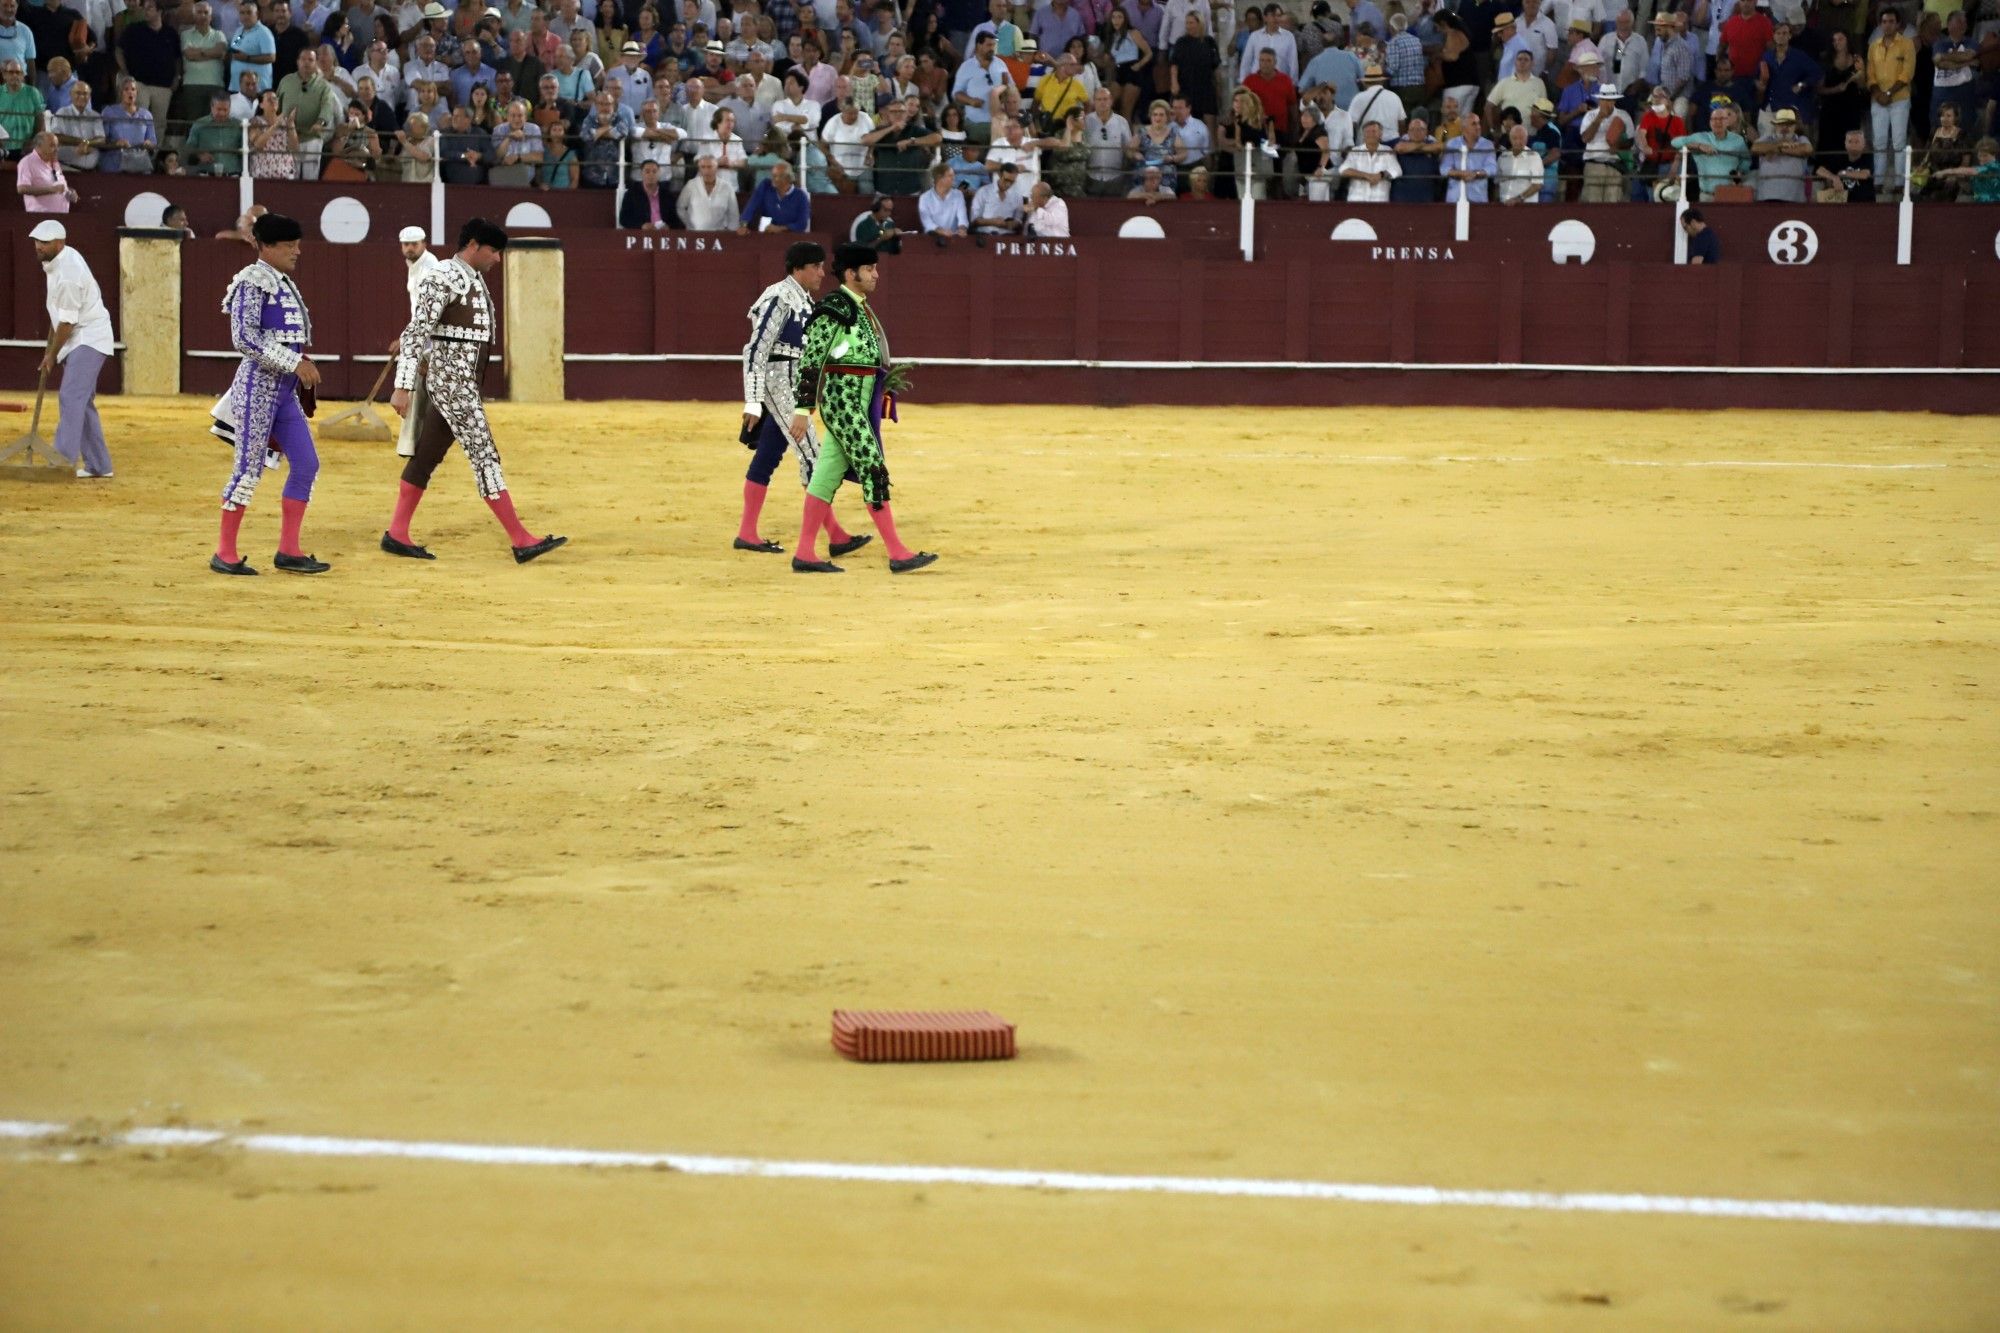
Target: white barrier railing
1681,208
1906,212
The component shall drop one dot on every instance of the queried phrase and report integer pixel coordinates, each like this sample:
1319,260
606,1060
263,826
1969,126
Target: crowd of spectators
732,114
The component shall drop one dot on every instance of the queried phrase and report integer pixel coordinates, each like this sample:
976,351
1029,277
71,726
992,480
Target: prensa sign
672,242
1398,253
1060,249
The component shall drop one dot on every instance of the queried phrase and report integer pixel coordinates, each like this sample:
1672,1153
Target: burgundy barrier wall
1408,294
375,309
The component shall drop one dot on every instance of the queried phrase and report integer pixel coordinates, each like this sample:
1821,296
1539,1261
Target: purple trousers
79,434
291,435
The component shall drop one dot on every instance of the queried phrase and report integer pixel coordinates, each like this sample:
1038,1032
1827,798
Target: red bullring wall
1409,316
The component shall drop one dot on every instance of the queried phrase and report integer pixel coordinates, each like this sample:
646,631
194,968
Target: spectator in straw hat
1546,140
1783,160
629,79
1508,39
1607,136
1579,44
1375,104
1672,65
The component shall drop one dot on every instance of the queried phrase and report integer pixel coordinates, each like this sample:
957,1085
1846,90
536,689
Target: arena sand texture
1478,799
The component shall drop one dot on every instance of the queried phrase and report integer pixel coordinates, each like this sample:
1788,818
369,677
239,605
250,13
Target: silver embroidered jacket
452,305
771,358
268,322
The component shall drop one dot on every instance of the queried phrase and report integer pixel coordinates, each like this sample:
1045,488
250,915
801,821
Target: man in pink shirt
39,180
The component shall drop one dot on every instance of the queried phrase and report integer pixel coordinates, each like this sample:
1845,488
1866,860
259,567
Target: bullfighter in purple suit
269,325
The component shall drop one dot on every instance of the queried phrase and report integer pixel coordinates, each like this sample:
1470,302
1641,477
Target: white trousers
1891,126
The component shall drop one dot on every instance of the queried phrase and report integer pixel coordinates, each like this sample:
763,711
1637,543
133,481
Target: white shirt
1543,37
1566,12
1520,175
1379,105
703,210
1625,58
1173,26
1597,148
993,202
1107,140
646,150
770,92
1051,219
84,124
1028,161
388,80
1368,192
416,71
844,141
75,299
807,110
1281,43
425,262
728,155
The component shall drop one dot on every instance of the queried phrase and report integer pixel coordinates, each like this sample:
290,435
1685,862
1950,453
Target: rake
362,421
30,458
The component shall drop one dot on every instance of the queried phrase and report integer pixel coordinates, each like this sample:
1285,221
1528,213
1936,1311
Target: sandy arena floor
1472,799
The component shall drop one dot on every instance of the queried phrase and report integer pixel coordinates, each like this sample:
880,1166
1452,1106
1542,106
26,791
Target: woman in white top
1520,178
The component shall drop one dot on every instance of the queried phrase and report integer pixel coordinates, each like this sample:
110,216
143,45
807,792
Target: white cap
413,236
49,231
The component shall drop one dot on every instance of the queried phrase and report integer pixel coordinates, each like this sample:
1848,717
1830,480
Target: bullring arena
1462,849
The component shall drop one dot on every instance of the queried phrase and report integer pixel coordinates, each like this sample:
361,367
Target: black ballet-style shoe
299,564
523,554
917,561
240,567
815,567
854,543
767,548
414,552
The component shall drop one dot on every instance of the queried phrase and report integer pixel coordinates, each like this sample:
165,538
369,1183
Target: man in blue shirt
777,204
1468,163
1335,68
1703,248
253,51
17,39
471,72
1788,80
1055,24
973,87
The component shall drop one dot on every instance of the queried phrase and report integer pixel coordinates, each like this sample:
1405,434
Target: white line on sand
1410,1196
1442,460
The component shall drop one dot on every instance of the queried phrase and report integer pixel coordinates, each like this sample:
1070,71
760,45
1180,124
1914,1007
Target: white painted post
246,191
618,196
1461,225
437,199
1680,208
1906,214
1246,214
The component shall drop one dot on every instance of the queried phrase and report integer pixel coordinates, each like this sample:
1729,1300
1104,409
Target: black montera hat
276,229
848,257
801,253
